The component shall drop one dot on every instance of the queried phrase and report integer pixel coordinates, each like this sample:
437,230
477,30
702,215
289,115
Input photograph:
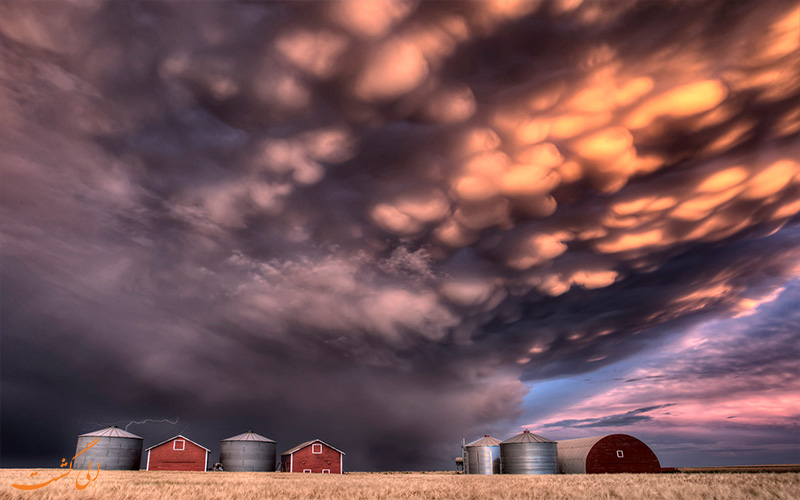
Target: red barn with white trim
314,456
178,453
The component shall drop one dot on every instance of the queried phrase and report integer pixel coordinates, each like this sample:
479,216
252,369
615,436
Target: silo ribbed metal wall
113,453
252,456
483,459
529,458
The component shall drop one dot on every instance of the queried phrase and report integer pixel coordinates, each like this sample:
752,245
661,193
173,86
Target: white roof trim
309,443
179,436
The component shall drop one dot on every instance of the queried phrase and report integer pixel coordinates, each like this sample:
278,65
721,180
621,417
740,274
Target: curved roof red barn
609,454
177,453
315,456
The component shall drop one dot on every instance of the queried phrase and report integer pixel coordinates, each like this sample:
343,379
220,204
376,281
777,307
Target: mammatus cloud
388,213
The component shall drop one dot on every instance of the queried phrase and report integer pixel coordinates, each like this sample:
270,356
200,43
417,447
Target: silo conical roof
249,436
112,431
486,440
527,437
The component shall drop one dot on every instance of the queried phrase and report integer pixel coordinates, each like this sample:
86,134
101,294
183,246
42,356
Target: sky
392,225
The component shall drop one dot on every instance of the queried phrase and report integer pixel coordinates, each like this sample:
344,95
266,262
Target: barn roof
580,443
249,436
527,437
307,443
179,436
583,445
486,440
572,454
112,431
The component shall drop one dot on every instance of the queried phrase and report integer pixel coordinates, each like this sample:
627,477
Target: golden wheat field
140,485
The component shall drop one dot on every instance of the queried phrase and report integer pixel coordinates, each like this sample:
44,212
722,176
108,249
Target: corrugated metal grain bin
483,456
613,453
248,452
115,449
528,453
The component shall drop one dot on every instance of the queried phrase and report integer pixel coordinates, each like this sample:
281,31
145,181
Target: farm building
313,456
247,452
115,449
177,453
528,453
613,453
482,456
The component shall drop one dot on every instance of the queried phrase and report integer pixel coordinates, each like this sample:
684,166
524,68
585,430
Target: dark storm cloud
618,420
373,220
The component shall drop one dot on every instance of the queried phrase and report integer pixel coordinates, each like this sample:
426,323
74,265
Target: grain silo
528,453
613,453
115,449
482,456
248,452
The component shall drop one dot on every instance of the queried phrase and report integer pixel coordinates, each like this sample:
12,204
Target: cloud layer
374,222
732,384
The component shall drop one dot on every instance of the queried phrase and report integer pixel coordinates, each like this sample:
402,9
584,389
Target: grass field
735,469
140,485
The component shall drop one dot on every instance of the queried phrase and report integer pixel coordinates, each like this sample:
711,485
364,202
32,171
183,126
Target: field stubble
141,485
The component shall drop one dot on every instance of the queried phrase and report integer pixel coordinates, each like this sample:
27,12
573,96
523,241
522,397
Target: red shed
178,453
312,456
613,453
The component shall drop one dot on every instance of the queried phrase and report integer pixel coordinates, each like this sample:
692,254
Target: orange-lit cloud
536,249
685,100
313,52
369,18
392,69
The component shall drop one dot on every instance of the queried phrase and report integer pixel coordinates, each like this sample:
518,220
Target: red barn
178,453
312,456
614,453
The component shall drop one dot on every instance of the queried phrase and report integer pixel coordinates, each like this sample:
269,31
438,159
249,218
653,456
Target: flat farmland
141,485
